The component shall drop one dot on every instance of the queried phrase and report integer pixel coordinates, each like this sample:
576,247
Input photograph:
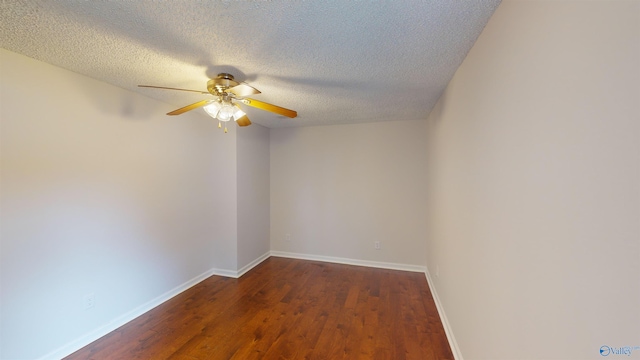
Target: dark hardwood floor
288,309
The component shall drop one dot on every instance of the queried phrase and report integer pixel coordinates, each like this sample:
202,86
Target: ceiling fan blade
269,107
189,107
170,88
243,121
243,89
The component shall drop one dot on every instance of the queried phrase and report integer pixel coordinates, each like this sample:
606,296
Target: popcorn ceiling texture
332,61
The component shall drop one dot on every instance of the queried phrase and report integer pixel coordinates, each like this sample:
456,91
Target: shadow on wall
119,104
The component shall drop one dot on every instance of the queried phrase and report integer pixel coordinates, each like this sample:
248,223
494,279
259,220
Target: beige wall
101,193
338,189
253,193
535,184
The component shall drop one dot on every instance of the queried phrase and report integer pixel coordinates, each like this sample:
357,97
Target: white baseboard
457,355
252,264
347,261
224,272
94,335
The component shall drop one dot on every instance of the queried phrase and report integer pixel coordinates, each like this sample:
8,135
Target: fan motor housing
221,83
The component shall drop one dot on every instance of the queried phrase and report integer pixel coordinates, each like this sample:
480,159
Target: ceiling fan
225,107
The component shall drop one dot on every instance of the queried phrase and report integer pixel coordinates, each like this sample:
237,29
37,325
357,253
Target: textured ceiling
333,61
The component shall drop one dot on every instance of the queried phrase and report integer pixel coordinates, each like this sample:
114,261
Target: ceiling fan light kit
228,93
224,111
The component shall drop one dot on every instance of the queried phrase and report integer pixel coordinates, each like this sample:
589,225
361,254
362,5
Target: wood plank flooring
288,309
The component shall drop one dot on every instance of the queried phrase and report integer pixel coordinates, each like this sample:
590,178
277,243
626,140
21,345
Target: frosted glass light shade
226,112
238,113
213,108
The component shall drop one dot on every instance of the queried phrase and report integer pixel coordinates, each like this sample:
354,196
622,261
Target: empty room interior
487,153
